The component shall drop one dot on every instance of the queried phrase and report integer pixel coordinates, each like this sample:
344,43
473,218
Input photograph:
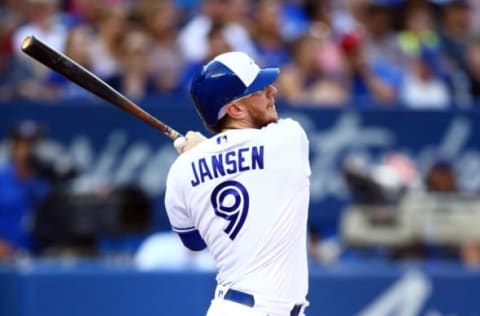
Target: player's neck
236,124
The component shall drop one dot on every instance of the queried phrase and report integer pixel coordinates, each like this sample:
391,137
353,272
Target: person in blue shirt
21,191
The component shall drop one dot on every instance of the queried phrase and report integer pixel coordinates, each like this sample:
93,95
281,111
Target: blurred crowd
365,53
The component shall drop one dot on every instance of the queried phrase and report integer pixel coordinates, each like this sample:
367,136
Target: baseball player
244,192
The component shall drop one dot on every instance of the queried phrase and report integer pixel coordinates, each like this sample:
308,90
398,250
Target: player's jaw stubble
262,116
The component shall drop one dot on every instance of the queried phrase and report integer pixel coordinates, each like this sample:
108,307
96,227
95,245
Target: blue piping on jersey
182,230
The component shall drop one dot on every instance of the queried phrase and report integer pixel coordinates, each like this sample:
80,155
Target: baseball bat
87,80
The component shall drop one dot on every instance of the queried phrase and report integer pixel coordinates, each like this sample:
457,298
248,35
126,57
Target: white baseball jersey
246,191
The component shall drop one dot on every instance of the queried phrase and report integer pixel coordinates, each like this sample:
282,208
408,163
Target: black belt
249,300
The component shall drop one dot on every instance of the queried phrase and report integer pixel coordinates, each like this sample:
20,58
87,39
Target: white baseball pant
220,306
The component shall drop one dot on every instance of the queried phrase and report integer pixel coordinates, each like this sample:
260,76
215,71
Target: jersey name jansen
230,162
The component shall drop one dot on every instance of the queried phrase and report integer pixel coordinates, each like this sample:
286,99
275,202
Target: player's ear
236,110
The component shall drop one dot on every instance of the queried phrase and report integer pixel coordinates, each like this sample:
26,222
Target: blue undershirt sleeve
192,240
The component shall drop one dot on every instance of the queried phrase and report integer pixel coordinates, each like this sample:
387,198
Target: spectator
160,21
380,41
350,18
381,48
77,47
11,17
372,54
410,5
295,20
333,15
14,75
44,23
87,11
475,17
135,78
473,65
21,191
329,56
370,84
422,88
455,32
419,36
106,44
217,44
228,14
305,81
12,72
266,33
441,178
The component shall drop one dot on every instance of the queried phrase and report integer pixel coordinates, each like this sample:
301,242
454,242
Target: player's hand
192,139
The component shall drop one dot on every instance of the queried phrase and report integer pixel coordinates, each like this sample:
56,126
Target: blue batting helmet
227,77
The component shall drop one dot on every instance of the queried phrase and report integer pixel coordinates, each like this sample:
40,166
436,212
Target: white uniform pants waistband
271,307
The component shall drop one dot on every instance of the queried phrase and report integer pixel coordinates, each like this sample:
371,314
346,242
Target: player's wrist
191,140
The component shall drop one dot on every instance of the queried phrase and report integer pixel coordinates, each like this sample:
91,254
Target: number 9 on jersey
230,201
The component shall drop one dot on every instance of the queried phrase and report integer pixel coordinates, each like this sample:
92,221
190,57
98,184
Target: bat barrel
26,43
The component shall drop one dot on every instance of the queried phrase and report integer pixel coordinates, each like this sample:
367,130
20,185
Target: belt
249,300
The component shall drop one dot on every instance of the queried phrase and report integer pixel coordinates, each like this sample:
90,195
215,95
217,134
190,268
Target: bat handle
179,141
172,134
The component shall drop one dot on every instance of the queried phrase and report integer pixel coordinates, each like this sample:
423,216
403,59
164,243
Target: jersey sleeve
178,214
176,206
